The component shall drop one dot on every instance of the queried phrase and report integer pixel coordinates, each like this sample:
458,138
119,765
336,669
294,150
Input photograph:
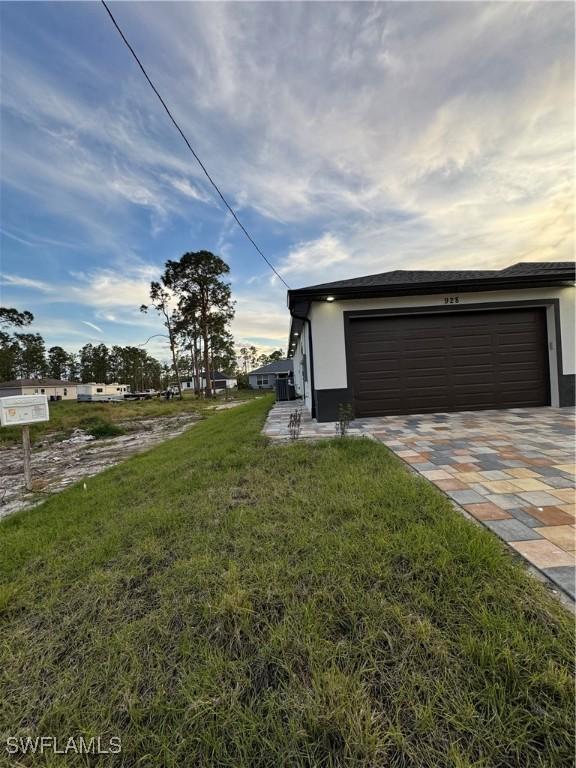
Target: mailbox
23,409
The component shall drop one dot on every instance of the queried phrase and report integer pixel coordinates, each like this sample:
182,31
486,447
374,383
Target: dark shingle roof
17,383
217,375
416,277
539,267
278,366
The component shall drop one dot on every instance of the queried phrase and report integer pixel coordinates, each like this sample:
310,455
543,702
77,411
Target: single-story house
220,382
265,377
406,342
54,389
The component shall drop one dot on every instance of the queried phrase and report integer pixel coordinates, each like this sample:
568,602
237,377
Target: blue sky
351,138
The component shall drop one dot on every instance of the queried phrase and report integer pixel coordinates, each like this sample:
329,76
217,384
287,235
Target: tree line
23,355
193,300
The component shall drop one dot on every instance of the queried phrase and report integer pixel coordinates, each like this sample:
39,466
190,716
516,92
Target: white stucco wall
328,326
303,387
298,377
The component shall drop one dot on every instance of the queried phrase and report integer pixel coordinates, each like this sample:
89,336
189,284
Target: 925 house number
451,300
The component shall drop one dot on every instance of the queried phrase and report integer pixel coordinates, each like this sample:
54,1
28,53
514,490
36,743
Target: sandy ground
57,464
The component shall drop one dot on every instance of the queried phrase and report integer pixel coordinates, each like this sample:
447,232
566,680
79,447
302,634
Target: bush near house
221,602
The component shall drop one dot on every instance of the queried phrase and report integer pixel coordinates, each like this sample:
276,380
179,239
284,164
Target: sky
351,138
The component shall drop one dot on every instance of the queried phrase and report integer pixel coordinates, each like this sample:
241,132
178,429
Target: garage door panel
424,363
419,345
378,365
466,360
447,362
467,379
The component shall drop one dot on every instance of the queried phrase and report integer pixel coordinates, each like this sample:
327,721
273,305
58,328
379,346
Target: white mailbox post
20,411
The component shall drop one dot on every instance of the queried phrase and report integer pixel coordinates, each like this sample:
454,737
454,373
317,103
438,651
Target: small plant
100,429
295,424
344,419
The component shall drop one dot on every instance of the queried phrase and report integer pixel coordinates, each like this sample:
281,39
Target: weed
295,424
101,429
344,419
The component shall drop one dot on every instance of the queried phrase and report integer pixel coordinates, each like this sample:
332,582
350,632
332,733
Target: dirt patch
58,464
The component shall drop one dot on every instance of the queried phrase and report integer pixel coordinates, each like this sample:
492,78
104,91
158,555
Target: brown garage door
449,362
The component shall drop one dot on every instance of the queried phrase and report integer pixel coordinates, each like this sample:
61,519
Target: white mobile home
93,392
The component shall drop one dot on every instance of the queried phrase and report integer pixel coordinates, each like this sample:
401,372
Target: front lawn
220,602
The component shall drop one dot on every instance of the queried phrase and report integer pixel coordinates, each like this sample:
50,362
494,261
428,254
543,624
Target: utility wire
152,337
181,132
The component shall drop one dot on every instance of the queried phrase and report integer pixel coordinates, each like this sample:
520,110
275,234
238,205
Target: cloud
97,288
188,189
107,288
260,321
109,316
26,282
91,325
315,256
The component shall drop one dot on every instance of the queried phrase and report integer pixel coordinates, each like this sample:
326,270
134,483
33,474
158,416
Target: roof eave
412,289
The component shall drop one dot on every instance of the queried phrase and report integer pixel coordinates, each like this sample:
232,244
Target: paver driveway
513,470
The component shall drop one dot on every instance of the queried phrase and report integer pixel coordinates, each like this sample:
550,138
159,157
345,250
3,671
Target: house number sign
451,300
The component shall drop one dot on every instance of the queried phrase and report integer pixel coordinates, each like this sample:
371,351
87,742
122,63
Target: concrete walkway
512,470
276,426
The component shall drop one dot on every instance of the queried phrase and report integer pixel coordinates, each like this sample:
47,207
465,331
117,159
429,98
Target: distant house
265,377
54,389
220,382
94,392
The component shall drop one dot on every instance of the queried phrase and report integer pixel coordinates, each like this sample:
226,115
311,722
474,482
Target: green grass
220,602
67,415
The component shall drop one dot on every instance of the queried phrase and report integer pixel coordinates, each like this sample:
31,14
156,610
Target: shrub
99,428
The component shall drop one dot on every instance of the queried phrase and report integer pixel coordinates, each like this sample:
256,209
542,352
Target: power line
181,132
152,337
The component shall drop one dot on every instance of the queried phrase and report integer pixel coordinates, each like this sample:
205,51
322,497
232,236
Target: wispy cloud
319,255
260,321
92,325
26,282
107,288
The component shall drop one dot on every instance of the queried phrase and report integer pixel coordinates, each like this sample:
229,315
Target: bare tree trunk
196,365
175,363
204,331
173,350
208,378
192,361
212,372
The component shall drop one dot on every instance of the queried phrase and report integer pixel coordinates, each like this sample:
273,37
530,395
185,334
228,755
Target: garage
453,361
430,341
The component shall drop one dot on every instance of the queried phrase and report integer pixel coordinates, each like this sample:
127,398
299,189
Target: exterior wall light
329,298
